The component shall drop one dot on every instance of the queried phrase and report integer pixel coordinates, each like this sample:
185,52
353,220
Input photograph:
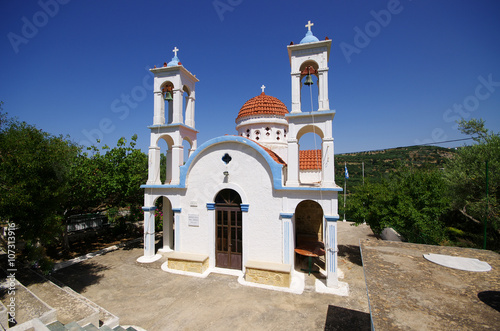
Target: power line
442,142
425,144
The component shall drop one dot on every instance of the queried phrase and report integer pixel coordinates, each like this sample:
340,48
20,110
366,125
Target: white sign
193,220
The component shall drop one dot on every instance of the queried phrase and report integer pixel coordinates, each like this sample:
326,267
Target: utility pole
487,207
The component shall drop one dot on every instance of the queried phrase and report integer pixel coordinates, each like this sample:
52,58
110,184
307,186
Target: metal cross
262,87
175,50
308,25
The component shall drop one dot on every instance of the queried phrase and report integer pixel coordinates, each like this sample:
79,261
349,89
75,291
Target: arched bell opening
309,87
309,237
186,105
167,92
310,140
187,148
165,144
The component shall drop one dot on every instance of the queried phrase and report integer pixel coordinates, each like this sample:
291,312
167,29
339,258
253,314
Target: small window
226,158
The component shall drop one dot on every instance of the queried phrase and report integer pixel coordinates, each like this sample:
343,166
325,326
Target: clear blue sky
65,68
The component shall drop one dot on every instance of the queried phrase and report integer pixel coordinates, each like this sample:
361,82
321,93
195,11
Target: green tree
44,179
35,169
466,175
101,181
412,201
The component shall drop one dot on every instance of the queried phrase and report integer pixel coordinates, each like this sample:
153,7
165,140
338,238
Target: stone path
408,292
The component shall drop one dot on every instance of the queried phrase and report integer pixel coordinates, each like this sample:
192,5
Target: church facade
242,204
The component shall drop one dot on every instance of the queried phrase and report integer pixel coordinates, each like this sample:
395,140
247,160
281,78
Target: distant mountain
379,163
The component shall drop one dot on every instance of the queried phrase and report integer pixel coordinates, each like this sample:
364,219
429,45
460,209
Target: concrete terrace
146,296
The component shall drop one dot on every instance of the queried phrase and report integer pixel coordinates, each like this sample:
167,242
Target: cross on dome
175,50
263,87
308,25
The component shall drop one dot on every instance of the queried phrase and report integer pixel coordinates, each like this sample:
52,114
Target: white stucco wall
250,175
310,176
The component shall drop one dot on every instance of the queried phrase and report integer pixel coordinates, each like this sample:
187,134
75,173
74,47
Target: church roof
310,159
309,38
272,154
262,105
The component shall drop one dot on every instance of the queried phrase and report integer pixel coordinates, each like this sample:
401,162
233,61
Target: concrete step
56,326
73,326
25,306
91,327
69,307
105,317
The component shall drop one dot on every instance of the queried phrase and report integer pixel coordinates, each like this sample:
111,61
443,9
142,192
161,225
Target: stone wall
268,277
309,219
190,266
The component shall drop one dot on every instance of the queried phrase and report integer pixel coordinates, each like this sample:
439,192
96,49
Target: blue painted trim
286,215
244,207
161,186
276,168
210,206
332,246
331,218
148,208
156,126
176,210
315,113
286,249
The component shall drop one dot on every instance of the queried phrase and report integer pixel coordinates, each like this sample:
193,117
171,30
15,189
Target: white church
250,204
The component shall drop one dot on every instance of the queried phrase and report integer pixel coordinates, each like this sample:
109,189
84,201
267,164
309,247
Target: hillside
380,163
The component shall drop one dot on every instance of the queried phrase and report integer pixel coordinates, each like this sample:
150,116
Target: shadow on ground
491,298
338,318
351,253
81,275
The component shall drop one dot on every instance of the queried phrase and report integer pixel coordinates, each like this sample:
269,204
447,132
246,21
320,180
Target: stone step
105,317
26,305
91,327
56,326
69,307
73,326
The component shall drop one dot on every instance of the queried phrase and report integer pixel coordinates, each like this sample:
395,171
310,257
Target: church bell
168,96
308,80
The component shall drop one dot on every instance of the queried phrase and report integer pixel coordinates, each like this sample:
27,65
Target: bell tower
173,120
307,59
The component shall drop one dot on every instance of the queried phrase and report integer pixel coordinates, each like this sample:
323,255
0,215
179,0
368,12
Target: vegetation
378,165
45,179
438,196
430,195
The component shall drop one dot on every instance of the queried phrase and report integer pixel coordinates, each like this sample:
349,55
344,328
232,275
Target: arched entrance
228,230
166,215
309,233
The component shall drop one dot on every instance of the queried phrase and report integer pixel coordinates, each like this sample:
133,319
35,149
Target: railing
83,222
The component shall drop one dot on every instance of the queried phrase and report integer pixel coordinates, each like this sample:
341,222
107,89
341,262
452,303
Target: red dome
262,105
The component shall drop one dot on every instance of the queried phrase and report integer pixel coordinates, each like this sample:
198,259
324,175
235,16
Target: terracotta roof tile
262,105
272,154
310,159
275,156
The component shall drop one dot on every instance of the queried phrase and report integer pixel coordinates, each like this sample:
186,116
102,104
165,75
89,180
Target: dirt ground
146,296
